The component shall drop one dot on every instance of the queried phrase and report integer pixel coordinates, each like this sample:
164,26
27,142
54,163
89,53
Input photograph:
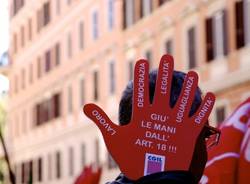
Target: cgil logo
153,163
154,158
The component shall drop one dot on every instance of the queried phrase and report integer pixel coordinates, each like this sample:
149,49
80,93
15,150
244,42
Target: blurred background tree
2,122
5,168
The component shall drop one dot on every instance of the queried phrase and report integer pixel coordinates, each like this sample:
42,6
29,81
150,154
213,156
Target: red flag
97,176
244,161
222,162
89,175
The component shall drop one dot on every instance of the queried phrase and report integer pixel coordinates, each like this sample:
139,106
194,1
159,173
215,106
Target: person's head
125,113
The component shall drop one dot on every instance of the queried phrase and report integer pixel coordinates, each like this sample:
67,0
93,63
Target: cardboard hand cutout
158,137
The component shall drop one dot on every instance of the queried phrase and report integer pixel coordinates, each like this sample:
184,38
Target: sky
4,40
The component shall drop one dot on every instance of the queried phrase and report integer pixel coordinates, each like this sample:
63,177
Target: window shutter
192,47
57,54
141,8
124,25
57,105
46,13
209,39
239,16
96,86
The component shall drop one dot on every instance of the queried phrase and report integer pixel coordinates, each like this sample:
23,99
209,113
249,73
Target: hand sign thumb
96,114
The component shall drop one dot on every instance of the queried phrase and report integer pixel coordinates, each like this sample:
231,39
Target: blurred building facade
65,53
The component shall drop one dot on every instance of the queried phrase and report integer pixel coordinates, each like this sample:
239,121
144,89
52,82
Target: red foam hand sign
158,137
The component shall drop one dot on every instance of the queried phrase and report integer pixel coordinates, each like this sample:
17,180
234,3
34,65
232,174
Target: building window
83,154
22,36
39,21
30,171
38,113
242,14
23,173
81,35
17,5
110,14
128,12
240,34
111,163
220,114
57,54
95,32
161,2
112,77
49,167
48,109
58,165
47,61
169,47
82,92
15,43
130,70
39,67
216,36
43,16
46,13
191,47
69,46
30,28
146,7
148,56
27,172
209,39
70,101
71,161
40,169
96,85
56,100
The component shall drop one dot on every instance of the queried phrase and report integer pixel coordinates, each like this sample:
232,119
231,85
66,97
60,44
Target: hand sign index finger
141,87
163,83
96,114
